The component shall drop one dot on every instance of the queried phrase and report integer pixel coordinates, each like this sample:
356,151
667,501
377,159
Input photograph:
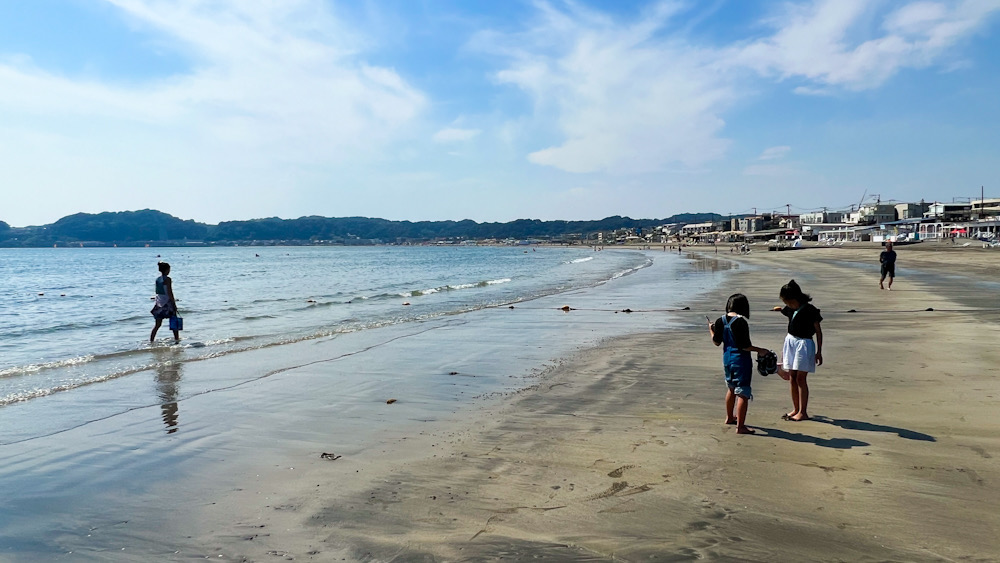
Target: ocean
287,352
76,317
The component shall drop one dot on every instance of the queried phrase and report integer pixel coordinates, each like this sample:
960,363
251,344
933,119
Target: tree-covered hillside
149,226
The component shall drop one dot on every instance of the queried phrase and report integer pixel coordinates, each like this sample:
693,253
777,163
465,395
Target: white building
697,228
819,217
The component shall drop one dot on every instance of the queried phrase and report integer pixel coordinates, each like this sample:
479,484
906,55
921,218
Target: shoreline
162,451
619,451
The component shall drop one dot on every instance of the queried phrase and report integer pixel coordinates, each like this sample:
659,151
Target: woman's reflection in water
168,378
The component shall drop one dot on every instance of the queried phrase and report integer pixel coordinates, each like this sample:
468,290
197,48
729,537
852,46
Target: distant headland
149,227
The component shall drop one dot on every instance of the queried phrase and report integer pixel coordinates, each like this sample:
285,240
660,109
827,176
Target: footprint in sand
613,490
973,476
618,472
983,453
620,508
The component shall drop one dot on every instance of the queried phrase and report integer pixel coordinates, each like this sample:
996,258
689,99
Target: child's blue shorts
738,376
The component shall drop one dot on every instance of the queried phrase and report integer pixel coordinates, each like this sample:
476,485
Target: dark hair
163,266
739,304
791,290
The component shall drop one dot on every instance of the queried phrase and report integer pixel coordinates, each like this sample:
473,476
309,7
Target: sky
219,110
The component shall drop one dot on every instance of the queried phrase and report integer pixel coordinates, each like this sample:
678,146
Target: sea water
76,317
108,442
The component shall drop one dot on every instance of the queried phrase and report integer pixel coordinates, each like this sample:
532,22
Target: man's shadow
835,443
869,427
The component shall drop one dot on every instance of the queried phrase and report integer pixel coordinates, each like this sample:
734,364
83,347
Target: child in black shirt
800,355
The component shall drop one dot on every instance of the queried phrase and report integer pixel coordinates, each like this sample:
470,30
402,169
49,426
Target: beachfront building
904,230
945,212
871,214
821,217
906,211
847,233
986,229
692,229
750,224
985,208
789,222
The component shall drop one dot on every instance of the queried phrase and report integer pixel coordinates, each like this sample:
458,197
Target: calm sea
71,318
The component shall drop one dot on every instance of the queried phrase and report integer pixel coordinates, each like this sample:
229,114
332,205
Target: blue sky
218,110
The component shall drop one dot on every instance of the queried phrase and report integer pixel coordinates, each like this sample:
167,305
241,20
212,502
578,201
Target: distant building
821,217
697,228
949,211
985,208
789,222
750,224
871,214
910,210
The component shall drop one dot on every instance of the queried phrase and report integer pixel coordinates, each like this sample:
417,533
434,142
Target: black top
740,328
801,323
888,257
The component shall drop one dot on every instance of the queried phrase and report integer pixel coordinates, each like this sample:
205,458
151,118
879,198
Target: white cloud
633,97
276,95
774,153
623,99
275,76
452,135
825,42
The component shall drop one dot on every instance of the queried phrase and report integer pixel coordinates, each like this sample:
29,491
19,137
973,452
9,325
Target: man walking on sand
888,260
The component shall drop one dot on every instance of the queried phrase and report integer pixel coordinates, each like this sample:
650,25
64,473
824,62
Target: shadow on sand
869,427
835,443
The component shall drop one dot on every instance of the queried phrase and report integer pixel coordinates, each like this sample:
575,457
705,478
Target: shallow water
121,463
77,317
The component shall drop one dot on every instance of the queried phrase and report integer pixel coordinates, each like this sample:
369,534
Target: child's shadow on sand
836,443
869,427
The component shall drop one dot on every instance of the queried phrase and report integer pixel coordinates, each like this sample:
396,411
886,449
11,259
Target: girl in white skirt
800,355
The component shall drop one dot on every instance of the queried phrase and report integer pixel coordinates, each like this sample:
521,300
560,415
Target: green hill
149,226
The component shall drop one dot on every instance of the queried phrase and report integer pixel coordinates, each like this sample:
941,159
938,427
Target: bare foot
880,286
799,417
730,421
745,430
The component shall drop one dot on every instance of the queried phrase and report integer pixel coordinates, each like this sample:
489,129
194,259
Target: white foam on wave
29,394
580,260
628,271
455,287
32,368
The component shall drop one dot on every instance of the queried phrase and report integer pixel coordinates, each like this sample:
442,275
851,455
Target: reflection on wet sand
702,263
168,377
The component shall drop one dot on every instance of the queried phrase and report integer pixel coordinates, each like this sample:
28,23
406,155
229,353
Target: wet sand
620,451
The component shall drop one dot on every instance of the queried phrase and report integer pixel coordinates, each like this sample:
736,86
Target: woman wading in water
166,306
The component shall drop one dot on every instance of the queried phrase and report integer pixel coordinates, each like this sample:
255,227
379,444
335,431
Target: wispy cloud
774,153
825,41
623,98
638,96
284,76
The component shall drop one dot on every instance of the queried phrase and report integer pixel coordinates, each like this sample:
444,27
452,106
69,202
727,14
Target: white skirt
798,354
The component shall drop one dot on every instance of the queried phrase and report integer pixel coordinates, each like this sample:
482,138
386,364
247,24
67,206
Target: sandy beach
620,451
